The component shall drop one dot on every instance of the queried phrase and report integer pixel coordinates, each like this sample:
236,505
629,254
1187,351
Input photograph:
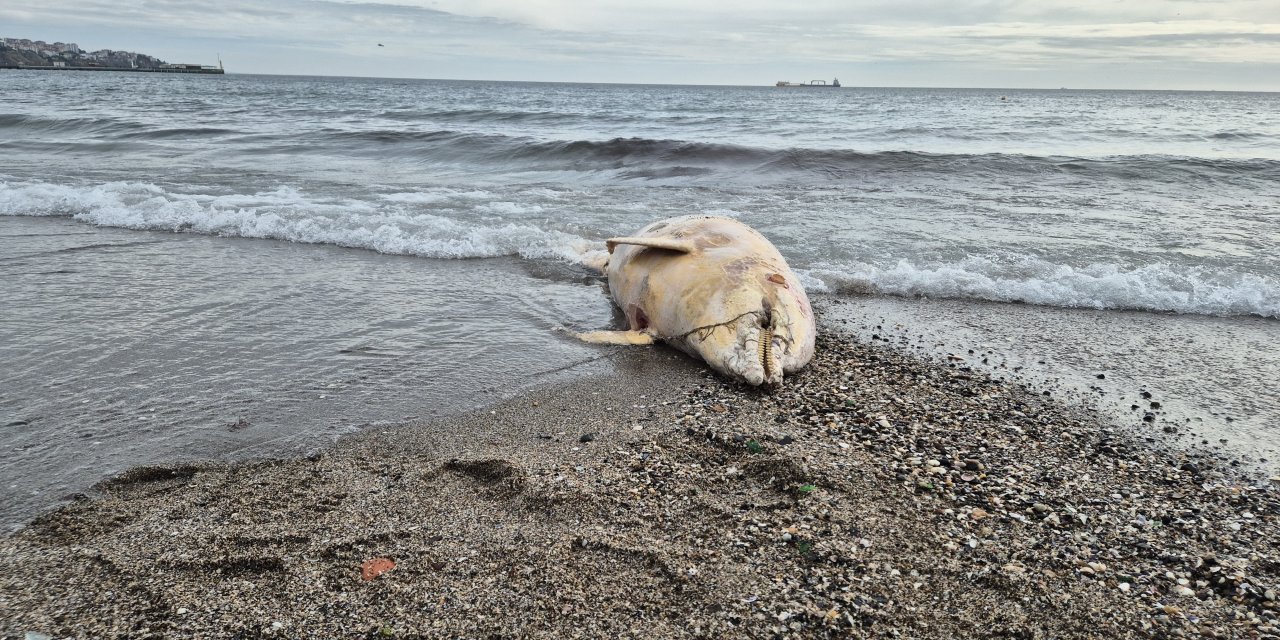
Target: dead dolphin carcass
716,289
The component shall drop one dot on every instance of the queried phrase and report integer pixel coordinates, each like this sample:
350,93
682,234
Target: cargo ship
835,83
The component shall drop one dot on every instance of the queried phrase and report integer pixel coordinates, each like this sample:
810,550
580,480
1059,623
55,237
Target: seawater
317,255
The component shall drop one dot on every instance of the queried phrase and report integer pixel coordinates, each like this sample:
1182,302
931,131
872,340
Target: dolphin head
770,331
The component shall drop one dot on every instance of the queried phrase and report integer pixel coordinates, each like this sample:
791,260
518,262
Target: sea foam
1149,287
289,214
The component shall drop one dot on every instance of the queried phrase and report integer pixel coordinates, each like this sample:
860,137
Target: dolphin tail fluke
616,337
670,244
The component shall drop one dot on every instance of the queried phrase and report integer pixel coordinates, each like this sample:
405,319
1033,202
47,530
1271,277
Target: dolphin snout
758,356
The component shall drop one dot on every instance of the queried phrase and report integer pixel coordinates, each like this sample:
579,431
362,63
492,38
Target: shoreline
874,493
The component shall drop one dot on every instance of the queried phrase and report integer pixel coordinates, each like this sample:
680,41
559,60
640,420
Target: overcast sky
1120,44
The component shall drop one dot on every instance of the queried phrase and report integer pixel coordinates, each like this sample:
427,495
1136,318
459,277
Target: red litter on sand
375,567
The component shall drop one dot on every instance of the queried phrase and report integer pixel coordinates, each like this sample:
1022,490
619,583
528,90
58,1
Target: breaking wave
450,140
476,223
386,226
1151,287
661,158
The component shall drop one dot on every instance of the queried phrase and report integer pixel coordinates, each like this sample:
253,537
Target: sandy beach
874,495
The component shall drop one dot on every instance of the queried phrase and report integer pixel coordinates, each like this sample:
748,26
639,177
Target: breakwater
166,69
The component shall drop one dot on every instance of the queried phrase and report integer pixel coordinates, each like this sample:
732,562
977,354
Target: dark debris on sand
874,495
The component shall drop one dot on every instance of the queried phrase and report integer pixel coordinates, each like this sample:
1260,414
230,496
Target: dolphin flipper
616,337
596,260
670,244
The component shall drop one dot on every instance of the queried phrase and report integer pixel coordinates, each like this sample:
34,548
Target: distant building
40,46
21,44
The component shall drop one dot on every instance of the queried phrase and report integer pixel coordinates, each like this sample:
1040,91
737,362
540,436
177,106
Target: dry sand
873,496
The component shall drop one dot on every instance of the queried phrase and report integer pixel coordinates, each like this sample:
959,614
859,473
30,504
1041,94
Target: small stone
1183,591
1041,507
182,611
1270,595
587,437
1124,586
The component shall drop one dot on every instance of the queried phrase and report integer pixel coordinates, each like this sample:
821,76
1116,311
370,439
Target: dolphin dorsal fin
670,244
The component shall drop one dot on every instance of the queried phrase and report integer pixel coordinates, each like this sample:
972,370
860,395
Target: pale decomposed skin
715,289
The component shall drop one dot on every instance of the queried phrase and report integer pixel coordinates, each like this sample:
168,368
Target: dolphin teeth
766,351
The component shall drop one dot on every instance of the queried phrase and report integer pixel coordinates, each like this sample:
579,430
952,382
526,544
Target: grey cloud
683,40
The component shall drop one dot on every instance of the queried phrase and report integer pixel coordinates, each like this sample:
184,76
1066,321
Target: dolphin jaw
754,355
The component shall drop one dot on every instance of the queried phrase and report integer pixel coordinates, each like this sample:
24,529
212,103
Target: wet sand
873,495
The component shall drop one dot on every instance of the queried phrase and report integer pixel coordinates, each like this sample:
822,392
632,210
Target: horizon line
741,86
